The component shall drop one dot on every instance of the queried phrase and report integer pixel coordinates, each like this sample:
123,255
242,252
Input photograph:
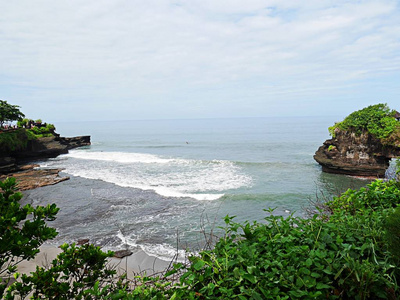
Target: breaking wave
169,177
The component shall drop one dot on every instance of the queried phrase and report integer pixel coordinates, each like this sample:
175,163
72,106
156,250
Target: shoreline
138,263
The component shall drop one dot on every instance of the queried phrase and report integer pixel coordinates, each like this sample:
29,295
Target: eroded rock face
28,176
41,148
75,142
357,155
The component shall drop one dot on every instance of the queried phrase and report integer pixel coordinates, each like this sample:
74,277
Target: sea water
159,184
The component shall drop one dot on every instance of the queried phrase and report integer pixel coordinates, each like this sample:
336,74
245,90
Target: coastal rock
30,178
45,147
356,155
41,148
13,162
82,242
122,253
75,142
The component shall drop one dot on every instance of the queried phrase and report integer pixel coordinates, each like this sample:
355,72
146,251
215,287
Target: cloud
171,54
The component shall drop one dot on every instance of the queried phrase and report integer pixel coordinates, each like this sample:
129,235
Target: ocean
158,185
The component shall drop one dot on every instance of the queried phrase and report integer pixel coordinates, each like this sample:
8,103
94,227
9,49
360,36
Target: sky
127,59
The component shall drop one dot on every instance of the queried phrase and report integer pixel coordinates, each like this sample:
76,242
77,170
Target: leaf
199,265
309,262
250,278
321,286
251,269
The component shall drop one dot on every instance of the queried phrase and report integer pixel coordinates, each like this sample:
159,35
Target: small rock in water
122,253
82,242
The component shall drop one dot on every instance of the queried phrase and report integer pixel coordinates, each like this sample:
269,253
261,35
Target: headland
19,148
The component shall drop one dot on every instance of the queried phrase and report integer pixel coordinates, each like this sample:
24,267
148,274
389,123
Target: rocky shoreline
18,163
31,177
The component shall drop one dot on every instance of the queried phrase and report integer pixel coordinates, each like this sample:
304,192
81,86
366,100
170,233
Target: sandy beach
137,263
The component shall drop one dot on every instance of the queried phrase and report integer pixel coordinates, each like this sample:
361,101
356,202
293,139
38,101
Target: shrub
378,120
43,131
15,140
341,256
392,226
22,229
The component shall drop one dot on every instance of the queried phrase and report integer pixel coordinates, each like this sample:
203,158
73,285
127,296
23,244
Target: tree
23,229
9,112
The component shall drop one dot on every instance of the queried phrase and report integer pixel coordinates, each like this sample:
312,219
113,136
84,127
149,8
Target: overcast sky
109,60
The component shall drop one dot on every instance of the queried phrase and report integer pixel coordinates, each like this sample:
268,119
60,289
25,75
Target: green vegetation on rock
377,120
15,140
43,131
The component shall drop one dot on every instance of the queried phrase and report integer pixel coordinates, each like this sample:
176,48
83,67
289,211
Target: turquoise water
143,183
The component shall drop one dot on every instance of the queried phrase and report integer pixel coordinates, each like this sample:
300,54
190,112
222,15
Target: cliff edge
24,149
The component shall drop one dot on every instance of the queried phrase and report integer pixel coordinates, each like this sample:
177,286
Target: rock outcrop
40,148
14,162
357,155
28,177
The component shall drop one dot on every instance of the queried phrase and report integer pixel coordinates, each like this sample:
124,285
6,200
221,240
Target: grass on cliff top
377,120
14,140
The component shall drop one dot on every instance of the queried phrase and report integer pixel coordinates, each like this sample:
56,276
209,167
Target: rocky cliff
35,149
358,155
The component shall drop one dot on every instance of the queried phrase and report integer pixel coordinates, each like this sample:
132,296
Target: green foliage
75,271
341,256
376,195
22,229
9,112
23,122
378,120
43,131
50,127
331,147
398,169
15,140
392,235
351,253
40,131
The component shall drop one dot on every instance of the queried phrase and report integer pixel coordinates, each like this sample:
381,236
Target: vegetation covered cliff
29,140
363,143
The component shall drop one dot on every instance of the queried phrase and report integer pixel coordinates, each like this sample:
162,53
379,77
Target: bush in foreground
346,254
338,256
22,229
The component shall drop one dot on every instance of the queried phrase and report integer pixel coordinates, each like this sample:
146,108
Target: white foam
120,157
163,251
171,193
180,178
